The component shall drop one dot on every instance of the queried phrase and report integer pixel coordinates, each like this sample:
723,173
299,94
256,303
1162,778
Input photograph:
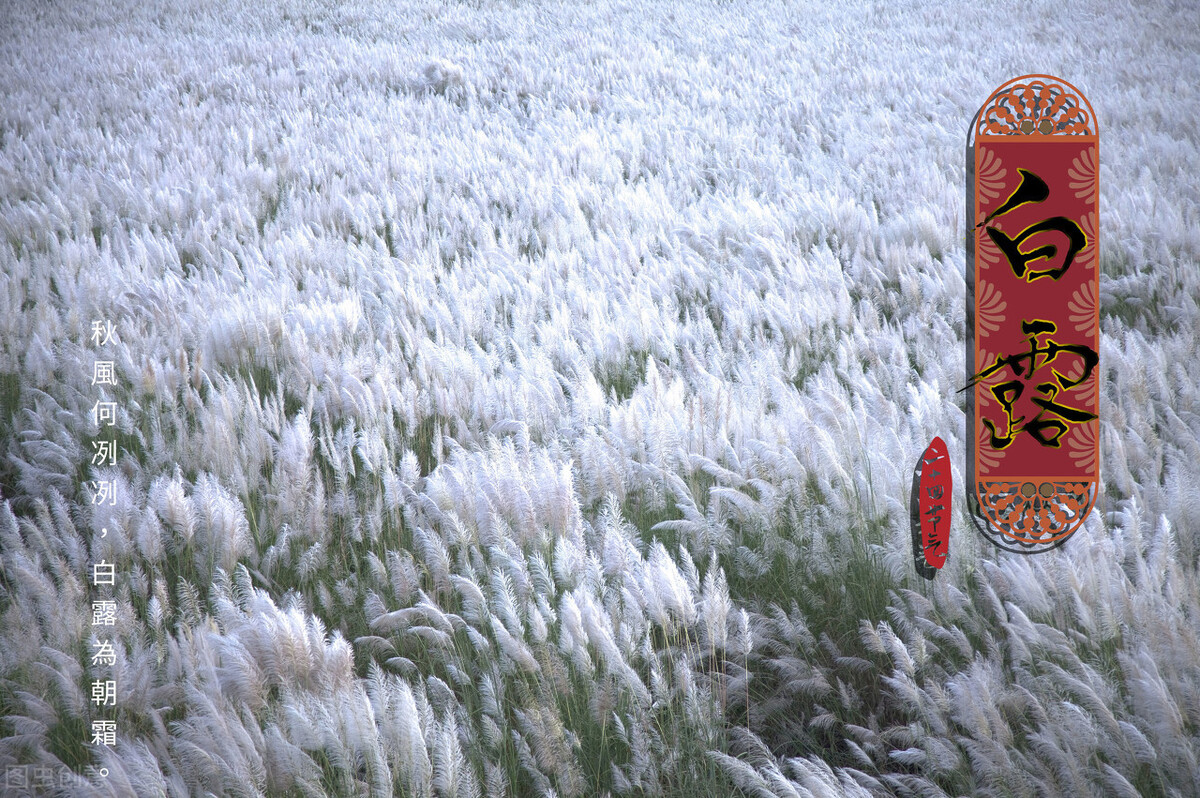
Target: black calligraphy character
934,514
1033,189
1007,393
1071,414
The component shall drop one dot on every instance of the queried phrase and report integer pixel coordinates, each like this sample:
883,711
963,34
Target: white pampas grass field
521,398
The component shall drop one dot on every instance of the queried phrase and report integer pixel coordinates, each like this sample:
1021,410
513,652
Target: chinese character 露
1007,393
104,613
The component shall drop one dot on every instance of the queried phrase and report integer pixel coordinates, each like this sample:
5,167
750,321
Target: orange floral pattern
991,305
987,254
1044,105
1019,516
991,177
1082,307
987,456
1083,175
1082,444
1087,255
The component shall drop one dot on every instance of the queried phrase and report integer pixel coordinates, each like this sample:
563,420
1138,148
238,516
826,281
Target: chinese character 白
1033,189
104,573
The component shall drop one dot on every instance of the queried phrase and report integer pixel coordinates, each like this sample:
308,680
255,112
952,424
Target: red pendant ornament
929,508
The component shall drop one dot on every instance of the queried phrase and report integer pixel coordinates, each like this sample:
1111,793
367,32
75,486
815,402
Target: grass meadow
521,399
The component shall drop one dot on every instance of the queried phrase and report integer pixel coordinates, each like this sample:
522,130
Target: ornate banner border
1030,514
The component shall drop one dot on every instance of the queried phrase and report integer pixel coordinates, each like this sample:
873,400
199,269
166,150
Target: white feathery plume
715,607
174,507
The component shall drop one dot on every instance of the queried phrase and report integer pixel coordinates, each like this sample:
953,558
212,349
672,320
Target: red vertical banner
929,509
1034,328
